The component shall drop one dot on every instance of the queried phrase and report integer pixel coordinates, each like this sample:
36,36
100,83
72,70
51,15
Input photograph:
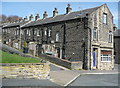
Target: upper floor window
95,33
57,36
45,32
49,32
110,36
17,32
2,30
29,33
8,31
35,32
104,18
38,32
22,32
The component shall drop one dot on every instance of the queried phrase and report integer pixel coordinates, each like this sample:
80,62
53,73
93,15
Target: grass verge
14,58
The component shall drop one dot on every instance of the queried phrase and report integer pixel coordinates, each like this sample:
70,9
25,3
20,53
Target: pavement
65,77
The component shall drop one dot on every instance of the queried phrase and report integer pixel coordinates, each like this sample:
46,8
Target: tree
3,17
12,18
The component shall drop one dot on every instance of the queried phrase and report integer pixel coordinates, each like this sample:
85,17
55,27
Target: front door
94,57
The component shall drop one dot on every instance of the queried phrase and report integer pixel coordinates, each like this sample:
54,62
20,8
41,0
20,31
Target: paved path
63,78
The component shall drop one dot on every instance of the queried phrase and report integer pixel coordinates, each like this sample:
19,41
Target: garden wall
25,70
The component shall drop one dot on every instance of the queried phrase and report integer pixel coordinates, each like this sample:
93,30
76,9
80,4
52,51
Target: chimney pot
37,17
68,9
55,12
25,19
31,17
45,15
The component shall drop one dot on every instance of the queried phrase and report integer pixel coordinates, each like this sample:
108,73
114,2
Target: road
96,80
27,82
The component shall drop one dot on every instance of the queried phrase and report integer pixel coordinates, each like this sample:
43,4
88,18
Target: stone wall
31,71
102,40
63,62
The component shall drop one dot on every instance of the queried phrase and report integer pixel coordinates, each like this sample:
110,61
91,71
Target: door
58,52
94,57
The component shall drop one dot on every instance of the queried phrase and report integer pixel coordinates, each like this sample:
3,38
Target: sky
23,9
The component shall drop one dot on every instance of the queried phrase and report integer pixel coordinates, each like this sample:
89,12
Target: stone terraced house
84,37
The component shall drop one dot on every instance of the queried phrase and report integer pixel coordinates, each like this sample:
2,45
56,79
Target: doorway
94,57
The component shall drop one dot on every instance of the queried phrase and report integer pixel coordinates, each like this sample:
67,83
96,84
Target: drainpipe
64,39
90,46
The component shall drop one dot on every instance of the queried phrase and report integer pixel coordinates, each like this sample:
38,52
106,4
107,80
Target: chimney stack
68,9
114,27
25,19
45,15
31,17
55,12
37,17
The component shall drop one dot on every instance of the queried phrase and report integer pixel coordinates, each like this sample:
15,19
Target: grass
14,58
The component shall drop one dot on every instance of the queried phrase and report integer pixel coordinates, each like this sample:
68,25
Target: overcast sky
23,9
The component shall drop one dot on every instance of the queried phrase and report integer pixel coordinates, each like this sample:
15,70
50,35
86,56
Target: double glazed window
105,58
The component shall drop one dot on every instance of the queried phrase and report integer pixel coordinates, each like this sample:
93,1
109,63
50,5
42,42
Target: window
105,58
22,32
3,30
38,32
105,18
17,32
110,37
50,32
95,33
57,36
35,32
29,33
45,32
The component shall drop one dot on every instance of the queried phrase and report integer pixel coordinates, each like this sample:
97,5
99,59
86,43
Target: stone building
84,36
117,46
12,33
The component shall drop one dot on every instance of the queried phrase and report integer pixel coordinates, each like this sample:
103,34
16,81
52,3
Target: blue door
94,58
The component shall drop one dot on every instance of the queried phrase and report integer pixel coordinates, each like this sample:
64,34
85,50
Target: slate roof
63,17
17,24
117,32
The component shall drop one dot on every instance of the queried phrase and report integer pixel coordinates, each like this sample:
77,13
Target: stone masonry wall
31,71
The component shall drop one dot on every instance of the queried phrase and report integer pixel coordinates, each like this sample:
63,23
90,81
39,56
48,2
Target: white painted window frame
108,58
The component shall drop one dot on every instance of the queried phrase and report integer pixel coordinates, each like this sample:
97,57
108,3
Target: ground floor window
105,58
